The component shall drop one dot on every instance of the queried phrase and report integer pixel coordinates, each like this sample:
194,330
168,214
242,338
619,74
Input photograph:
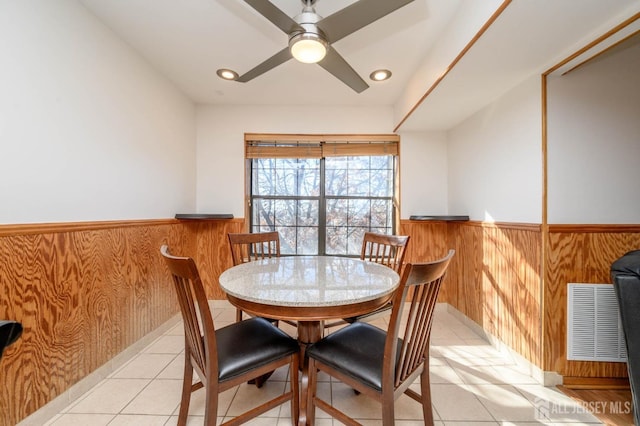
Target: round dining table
308,290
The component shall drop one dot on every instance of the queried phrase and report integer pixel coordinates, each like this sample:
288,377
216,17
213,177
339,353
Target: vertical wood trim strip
544,305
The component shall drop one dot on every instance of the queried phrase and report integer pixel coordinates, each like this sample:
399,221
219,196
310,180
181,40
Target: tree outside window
322,205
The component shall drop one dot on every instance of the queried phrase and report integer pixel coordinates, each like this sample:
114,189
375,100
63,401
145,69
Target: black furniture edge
625,274
203,216
10,331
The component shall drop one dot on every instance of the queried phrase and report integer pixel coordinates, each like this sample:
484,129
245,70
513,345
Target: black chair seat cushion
355,350
245,345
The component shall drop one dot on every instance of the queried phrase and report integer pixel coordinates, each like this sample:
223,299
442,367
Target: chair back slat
246,247
416,337
192,329
388,250
424,282
199,330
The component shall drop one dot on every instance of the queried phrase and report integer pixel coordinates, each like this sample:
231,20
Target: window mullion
322,212
361,212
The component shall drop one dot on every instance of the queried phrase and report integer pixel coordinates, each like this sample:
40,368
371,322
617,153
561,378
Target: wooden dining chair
383,364
229,356
246,247
388,250
249,246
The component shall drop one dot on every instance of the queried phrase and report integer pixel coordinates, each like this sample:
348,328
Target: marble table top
309,281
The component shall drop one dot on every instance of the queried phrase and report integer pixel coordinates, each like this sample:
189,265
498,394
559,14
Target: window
322,196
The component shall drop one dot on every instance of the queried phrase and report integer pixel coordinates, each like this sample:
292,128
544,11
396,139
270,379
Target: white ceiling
528,38
188,40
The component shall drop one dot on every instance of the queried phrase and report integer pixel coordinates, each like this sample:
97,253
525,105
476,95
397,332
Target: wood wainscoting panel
493,279
465,292
579,254
428,242
83,296
213,253
496,277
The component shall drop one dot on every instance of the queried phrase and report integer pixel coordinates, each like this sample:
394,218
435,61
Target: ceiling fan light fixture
308,47
380,75
227,74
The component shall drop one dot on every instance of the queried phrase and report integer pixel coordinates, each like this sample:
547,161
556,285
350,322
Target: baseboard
55,406
545,378
596,383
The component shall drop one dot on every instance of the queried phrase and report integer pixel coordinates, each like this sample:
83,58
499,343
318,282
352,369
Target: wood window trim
263,145
302,145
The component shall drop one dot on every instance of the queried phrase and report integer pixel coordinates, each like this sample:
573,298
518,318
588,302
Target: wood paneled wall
498,282
213,253
579,254
84,292
494,278
428,242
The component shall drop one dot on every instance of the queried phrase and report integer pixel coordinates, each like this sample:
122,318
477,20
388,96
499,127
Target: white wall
221,150
221,132
88,131
423,173
495,159
594,142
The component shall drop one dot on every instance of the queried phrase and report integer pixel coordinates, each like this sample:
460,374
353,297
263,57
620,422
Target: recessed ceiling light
227,74
380,75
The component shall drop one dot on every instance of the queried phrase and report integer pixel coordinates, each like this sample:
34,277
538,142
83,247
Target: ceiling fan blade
275,15
356,16
279,58
336,65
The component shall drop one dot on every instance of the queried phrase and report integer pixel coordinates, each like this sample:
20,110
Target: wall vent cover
594,331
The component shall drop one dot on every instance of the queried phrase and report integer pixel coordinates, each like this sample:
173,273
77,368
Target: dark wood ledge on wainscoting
204,216
445,218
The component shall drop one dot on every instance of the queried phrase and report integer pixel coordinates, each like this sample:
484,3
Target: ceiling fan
311,35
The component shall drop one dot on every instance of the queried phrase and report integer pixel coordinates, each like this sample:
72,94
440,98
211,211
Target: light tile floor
472,384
